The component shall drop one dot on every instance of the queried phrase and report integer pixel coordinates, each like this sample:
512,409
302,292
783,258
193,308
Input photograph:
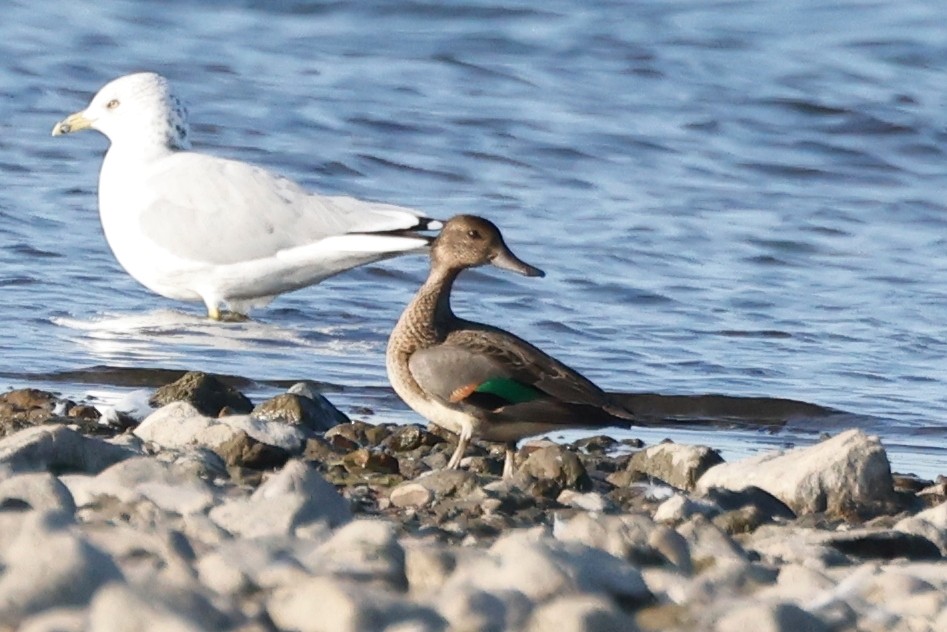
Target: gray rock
118,608
47,565
679,507
180,425
295,497
323,604
557,467
40,491
781,617
57,448
205,392
675,464
849,472
626,537
580,613
301,406
444,482
589,501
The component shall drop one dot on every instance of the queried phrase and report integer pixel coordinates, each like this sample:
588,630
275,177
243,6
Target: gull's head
138,108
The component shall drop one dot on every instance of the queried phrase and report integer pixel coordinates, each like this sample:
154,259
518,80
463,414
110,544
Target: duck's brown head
468,241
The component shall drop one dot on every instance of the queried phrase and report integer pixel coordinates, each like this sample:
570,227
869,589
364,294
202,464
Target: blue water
728,197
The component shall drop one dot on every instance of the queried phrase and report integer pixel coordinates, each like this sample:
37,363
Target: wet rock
344,607
295,497
675,464
27,407
40,491
780,617
313,412
551,469
242,450
205,392
57,449
410,437
845,475
364,460
48,565
580,613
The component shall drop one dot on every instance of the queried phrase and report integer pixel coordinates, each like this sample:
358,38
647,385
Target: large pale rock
542,568
57,620
180,425
930,523
57,448
580,613
628,537
367,551
474,610
118,608
709,545
48,565
295,497
769,618
173,489
303,406
39,490
675,464
847,473
323,604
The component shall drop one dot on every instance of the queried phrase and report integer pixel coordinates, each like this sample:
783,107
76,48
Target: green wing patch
509,390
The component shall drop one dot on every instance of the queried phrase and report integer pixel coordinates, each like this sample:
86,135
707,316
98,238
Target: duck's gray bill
508,261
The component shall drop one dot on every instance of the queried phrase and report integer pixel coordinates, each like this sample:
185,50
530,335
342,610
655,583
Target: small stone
205,392
83,411
244,451
407,438
365,460
410,494
675,464
558,466
442,483
590,501
679,507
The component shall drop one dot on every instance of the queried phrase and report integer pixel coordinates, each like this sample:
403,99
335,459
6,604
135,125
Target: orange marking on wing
462,393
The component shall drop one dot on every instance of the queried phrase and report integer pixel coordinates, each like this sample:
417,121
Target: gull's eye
111,105
474,234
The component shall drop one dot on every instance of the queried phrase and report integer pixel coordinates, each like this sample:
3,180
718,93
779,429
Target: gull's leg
508,460
463,439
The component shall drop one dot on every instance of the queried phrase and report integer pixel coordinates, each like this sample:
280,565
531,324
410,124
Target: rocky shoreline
215,514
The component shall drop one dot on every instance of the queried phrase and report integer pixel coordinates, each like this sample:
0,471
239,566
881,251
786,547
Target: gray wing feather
235,211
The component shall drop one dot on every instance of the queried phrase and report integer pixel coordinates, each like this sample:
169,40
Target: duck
478,380
192,226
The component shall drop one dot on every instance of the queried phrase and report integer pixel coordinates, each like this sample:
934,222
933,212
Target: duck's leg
463,440
509,460
224,316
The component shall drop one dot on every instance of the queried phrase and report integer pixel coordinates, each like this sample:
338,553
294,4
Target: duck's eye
474,234
111,105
